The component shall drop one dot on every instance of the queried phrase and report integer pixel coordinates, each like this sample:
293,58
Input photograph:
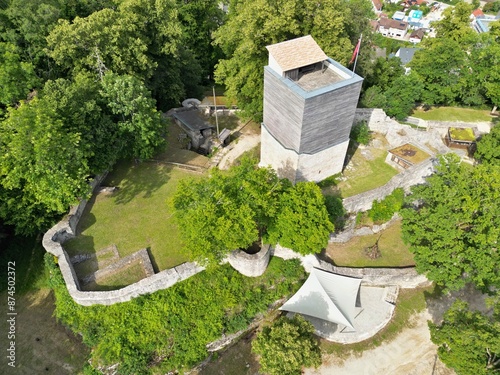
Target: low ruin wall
402,277
66,229
409,177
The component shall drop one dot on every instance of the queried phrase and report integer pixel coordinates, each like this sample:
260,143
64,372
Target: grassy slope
453,114
136,216
43,346
366,174
394,252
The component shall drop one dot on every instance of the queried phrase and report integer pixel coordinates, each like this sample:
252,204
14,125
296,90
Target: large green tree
226,211
459,66
42,167
468,340
17,78
439,67
231,210
287,346
302,223
252,25
199,19
141,125
453,224
141,38
488,147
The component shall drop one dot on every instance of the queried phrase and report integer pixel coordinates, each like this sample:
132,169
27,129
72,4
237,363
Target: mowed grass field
453,114
364,173
138,215
395,253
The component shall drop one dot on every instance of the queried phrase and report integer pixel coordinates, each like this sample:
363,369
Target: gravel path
244,143
410,353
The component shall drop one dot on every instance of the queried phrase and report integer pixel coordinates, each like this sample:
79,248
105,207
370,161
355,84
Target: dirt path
410,353
245,143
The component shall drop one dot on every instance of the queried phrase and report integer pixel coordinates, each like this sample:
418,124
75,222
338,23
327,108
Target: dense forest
84,84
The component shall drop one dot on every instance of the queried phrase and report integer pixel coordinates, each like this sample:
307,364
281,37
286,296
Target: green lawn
453,114
363,174
394,251
121,278
136,216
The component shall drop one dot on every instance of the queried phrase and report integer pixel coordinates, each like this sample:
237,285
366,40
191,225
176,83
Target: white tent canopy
326,296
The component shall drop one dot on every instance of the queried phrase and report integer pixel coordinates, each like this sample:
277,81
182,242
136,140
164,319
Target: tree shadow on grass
439,301
134,179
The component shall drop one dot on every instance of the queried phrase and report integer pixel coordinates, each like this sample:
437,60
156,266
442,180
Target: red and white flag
356,51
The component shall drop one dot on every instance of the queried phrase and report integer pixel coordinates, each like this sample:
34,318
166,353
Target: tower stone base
301,167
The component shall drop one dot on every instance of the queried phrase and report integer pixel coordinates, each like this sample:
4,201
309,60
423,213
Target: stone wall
402,277
251,265
411,176
351,231
66,229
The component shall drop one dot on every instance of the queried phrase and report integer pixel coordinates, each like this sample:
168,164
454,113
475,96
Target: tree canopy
286,346
488,147
43,170
252,25
454,226
232,210
468,340
302,223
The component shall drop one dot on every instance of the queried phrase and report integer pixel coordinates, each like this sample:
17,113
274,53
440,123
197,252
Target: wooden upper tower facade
309,106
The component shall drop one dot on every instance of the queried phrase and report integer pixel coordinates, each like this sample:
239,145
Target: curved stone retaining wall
66,229
351,231
402,277
251,265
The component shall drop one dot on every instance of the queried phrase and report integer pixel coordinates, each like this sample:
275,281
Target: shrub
287,346
336,210
168,330
493,7
360,133
329,181
383,210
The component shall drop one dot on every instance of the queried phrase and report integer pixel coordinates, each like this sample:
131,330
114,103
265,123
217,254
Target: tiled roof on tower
296,53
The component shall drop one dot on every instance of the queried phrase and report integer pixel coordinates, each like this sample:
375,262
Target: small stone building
461,138
197,129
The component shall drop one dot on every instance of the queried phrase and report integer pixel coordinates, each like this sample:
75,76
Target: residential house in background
377,5
481,22
415,18
399,16
416,36
406,55
392,28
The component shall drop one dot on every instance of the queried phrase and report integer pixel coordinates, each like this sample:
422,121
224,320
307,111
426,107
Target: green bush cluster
383,210
360,133
286,346
336,210
169,329
493,7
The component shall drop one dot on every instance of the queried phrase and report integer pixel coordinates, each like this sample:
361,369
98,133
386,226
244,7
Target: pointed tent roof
326,296
296,53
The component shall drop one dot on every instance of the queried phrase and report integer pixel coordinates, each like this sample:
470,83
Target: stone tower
309,105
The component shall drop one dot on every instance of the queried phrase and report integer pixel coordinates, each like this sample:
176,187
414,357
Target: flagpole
357,54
